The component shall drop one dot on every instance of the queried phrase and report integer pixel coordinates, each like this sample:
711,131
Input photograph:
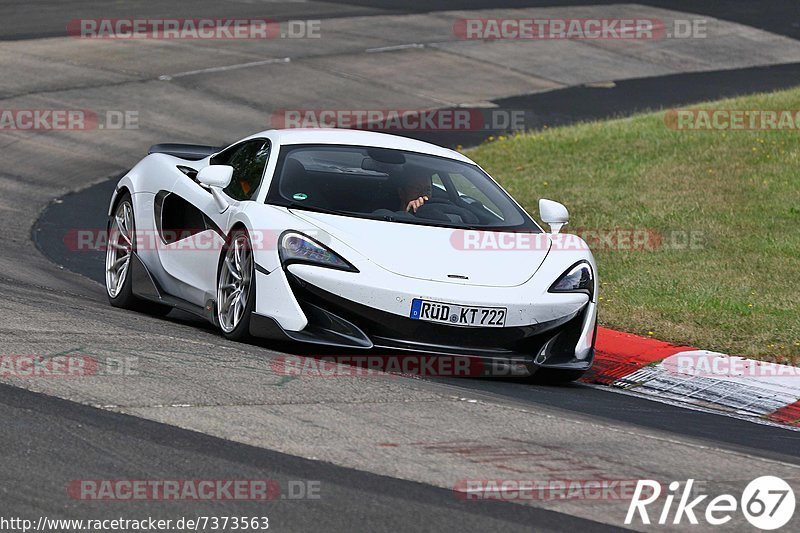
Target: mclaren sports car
356,241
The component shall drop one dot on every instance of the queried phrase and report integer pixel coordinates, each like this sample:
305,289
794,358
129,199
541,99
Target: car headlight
294,247
578,278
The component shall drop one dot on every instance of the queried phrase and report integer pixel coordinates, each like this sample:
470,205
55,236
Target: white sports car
356,240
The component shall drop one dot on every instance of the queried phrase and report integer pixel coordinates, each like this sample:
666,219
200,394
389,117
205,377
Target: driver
415,191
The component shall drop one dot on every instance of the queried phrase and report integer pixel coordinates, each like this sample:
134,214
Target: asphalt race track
109,444
384,451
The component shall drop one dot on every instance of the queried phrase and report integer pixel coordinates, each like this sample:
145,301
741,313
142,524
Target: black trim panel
142,283
339,334
145,287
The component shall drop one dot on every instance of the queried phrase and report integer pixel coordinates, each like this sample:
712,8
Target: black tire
123,296
555,376
241,329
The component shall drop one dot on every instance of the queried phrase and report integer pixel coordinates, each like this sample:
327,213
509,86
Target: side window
248,161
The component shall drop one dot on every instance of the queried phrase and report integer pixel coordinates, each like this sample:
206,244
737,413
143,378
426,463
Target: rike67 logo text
767,503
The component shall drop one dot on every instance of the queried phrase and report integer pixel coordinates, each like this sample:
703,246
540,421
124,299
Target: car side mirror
215,176
554,214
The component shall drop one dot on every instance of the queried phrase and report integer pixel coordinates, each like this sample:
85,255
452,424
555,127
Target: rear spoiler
189,152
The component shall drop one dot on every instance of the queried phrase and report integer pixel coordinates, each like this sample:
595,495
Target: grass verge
734,284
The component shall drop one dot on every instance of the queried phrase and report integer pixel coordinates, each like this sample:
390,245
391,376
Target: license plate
458,315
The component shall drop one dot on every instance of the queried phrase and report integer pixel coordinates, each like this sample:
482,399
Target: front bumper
338,322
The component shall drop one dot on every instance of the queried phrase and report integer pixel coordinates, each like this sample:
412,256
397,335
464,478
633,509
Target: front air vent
189,171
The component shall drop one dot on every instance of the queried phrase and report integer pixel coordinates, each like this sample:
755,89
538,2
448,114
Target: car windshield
379,183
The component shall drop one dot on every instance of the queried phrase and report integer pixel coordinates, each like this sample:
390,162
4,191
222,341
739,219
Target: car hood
467,257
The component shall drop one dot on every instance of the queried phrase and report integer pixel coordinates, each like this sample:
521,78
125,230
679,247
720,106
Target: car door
193,226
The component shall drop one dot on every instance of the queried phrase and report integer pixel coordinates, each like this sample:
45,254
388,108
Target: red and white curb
700,378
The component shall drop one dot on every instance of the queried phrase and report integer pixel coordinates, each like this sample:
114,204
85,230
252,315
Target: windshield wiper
427,222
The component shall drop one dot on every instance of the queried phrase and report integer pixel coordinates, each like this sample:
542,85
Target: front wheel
236,287
556,376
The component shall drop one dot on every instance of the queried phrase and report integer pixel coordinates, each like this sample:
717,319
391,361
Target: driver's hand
416,204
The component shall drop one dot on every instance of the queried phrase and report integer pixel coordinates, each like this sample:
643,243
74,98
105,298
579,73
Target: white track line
167,77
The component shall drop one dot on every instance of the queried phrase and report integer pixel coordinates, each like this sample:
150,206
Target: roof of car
358,138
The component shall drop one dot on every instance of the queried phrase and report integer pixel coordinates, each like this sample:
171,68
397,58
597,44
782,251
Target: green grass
740,292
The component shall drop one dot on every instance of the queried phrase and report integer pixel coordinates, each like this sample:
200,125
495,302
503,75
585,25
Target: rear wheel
119,251
236,287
